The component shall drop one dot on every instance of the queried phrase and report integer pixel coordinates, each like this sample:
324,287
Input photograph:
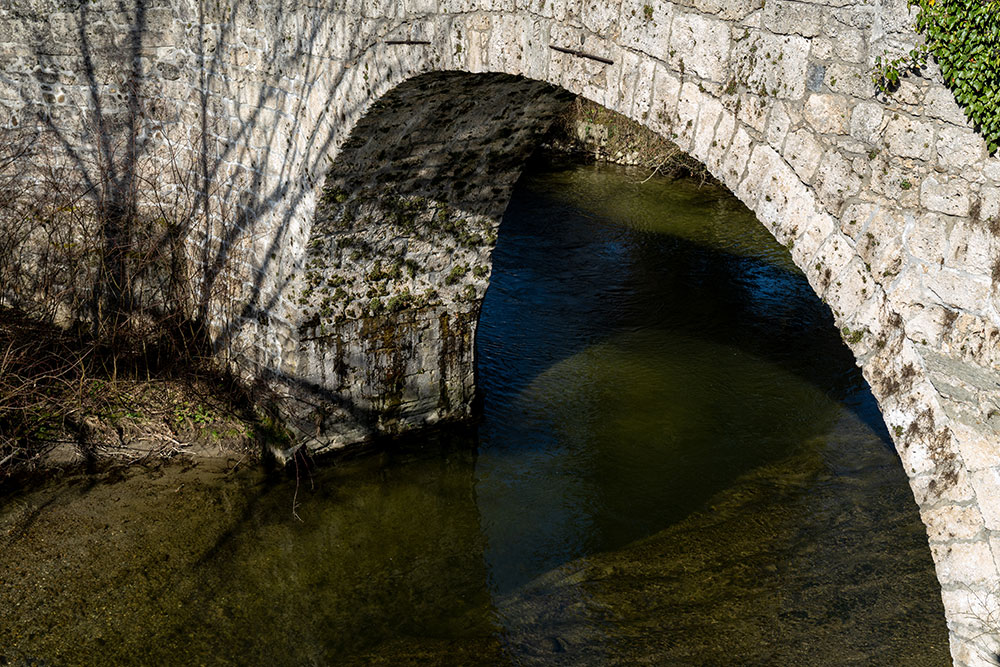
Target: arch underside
400,253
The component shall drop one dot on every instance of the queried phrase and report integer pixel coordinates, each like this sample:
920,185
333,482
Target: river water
678,463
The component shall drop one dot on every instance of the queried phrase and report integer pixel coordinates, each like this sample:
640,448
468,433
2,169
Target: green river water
677,464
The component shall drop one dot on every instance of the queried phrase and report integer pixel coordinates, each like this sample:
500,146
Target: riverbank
67,401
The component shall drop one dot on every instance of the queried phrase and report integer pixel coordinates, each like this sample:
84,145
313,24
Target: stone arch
888,204
795,151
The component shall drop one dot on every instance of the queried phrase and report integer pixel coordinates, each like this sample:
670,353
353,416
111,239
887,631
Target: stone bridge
348,162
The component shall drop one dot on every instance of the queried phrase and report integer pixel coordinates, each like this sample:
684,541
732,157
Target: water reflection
655,369
678,464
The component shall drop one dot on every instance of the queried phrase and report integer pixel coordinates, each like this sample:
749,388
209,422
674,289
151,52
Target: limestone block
971,646
989,203
958,147
960,290
927,238
786,17
753,111
777,126
785,202
829,262
420,7
909,96
931,489
856,219
848,293
964,562
556,9
803,153
911,138
939,102
972,603
499,6
979,450
700,45
828,114
537,51
991,610
952,522
991,169
506,50
986,483
886,257
600,17
636,86
853,80
918,455
772,65
972,248
898,180
729,10
848,43
721,143
836,180
822,48
736,159
866,122
663,110
763,161
945,195
645,26
708,117
688,105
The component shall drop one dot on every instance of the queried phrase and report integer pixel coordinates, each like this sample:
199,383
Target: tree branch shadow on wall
120,213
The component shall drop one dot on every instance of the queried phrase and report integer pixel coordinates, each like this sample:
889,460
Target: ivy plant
963,36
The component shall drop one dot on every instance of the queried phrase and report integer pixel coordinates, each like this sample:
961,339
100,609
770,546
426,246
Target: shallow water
678,463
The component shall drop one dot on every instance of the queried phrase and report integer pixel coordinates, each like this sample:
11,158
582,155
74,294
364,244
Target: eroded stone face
889,205
400,253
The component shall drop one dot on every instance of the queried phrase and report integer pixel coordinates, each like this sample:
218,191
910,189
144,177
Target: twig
582,54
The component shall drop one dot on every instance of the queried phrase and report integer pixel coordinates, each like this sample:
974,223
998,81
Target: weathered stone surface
911,138
957,148
700,44
769,64
804,152
953,522
828,114
951,196
866,122
986,482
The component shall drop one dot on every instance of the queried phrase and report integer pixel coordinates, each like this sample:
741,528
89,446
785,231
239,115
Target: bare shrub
105,281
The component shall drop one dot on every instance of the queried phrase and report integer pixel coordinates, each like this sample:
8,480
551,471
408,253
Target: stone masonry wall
889,205
400,252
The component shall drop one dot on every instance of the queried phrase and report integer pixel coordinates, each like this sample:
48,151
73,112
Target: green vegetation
64,389
963,36
457,273
852,337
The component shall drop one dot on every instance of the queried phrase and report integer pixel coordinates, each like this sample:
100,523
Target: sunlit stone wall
890,205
